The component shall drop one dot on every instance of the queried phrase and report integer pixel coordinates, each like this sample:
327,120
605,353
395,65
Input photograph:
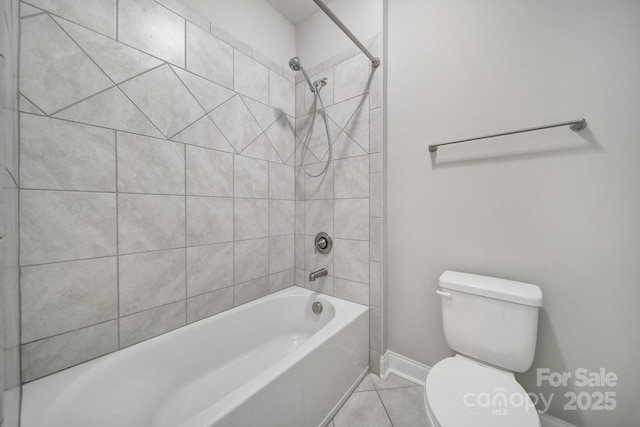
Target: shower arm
374,61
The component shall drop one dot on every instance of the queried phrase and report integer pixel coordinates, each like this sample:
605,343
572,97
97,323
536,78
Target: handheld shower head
296,65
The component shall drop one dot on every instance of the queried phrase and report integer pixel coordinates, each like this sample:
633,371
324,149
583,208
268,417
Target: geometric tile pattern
130,162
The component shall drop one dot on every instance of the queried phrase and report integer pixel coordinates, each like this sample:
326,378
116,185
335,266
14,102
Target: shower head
296,65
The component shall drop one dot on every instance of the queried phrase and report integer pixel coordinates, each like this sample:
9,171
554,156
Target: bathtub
271,362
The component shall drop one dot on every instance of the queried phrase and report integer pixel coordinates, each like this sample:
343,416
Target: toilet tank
492,320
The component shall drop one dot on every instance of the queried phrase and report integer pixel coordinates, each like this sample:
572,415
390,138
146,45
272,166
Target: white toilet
492,324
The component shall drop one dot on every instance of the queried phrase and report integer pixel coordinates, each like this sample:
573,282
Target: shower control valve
323,243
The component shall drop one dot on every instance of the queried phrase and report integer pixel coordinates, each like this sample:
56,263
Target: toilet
492,326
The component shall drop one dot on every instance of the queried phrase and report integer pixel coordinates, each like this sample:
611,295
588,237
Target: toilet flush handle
443,293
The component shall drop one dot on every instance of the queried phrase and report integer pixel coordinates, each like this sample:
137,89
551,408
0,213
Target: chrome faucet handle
323,243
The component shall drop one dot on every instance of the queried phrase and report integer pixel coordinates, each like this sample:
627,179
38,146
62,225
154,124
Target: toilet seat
461,392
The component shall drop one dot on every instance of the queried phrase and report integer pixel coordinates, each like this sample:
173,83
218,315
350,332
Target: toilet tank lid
492,287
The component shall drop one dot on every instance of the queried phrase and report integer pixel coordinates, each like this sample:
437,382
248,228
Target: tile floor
395,402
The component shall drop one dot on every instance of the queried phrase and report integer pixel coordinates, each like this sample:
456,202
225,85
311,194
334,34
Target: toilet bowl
492,325
460,392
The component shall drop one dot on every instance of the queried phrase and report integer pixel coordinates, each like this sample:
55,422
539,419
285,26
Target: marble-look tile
209,94
344,111
375,131
63,226
151,323
236,123
281,280
318,217
376,195
352,291
324,285
282,136
209,172
281,253
209,268
222,34
374,283
264,115
375,163
209,220
305,98
341,56
281,182
98,15
251,178
122,114
27,10
351,218
119,61
251,219
317,143
375,240
27,106
251,259
375,89
250,77
150,222
53,354
299,251
261,148
392,381
209,56
352,260
365,385
54,72
151,279
351,77
251,290
149,165
362,409
171,109
315,260
358,126
62,297
60,155
205,305
405,406
274,66
344,147
181,9
375,326
351,177
320,187
282,94
147,26
204,133
281,217
299,177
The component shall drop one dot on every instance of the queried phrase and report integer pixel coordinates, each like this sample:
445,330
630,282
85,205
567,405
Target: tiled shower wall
346,201
9,286
156,176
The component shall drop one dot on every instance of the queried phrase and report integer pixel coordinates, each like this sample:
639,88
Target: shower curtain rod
374,61
576,125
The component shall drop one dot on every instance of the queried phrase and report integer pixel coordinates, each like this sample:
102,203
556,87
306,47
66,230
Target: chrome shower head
294,63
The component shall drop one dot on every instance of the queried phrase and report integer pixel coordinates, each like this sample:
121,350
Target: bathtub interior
168,379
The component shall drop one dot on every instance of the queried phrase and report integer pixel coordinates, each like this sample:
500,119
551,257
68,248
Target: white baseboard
403,367
409,369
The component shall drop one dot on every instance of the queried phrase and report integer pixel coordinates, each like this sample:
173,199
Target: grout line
381,401
117,239
186,262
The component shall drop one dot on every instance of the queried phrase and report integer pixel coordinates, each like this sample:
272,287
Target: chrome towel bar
576,125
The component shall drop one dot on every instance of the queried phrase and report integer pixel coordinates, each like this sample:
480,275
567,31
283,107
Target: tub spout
317,274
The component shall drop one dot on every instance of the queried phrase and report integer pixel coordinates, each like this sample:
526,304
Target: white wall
254,22
554,208
318,38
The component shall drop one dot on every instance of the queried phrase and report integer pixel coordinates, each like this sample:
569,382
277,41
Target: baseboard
403,367
409,369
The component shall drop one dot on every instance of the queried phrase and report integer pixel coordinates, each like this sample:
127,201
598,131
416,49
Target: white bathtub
271,362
